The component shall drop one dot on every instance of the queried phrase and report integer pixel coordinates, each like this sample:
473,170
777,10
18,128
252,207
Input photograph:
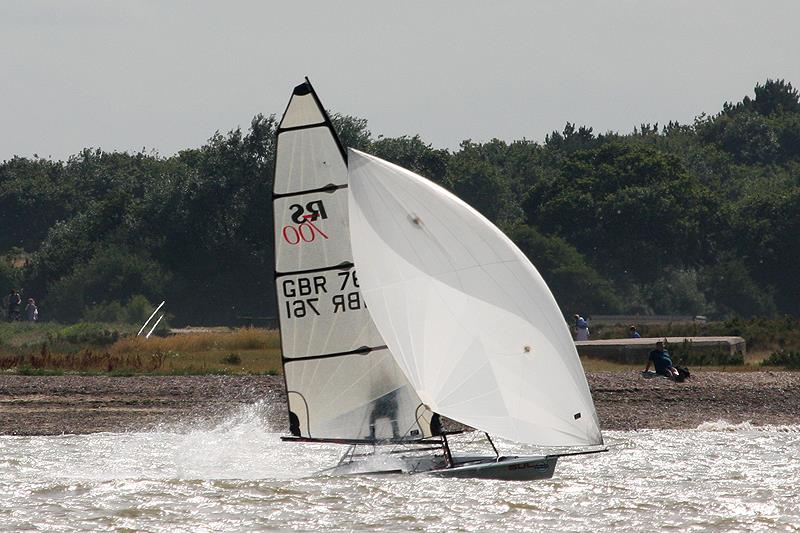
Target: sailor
384,407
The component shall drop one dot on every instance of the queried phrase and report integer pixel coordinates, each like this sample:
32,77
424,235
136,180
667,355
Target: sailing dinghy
444,317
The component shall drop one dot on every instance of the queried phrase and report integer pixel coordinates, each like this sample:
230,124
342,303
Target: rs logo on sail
305,216
311,211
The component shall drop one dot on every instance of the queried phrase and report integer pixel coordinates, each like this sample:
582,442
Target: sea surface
239,476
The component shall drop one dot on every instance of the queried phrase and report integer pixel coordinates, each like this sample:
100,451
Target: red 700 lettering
306,231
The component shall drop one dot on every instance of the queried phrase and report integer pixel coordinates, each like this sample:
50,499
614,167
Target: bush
231,359
686,354
111,276
788,359
88,333
136,311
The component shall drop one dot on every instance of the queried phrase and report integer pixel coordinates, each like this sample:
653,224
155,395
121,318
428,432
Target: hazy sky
166,75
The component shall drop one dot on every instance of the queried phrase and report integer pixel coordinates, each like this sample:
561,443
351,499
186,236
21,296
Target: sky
165,75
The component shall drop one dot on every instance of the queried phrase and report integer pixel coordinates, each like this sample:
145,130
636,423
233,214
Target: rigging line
492,443
408,431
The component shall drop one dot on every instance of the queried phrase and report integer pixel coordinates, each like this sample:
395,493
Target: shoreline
55,405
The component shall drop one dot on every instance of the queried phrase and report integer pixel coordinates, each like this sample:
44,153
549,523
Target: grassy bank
92,348
97,348
770,341
762,334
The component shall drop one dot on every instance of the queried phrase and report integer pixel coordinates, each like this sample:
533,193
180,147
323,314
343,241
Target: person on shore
662,362
581,328
633,333
14,301
31,311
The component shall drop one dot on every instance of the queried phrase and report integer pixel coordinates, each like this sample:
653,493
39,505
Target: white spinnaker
465,314
341,381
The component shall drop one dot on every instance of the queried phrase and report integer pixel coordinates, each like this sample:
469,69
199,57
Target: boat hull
525,468
515,468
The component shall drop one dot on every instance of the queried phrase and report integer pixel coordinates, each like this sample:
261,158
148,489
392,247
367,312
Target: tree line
700,218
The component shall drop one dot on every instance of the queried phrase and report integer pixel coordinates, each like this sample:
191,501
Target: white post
151,318
154,326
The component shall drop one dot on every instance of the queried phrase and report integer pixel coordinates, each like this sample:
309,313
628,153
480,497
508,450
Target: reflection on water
239,476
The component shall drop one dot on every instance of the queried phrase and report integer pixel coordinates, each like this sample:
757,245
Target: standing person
14,301
31,311
662,362
581,328
633,333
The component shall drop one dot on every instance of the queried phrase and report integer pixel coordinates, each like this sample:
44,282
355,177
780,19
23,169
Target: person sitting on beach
633,333
662,362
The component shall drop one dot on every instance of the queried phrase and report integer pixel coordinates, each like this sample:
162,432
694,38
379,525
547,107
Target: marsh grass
233,340
101,348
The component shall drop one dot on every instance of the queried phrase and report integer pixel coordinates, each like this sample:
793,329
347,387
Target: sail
468,318
341,380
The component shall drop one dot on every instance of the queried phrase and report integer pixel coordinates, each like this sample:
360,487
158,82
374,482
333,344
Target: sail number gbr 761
332,292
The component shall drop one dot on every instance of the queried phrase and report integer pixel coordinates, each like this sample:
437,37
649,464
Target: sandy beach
52,405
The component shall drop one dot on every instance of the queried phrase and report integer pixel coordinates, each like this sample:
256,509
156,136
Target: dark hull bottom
523,468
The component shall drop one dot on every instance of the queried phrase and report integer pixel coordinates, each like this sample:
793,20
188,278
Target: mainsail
341,380
466,315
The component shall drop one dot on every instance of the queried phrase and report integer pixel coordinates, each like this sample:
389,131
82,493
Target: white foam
747,426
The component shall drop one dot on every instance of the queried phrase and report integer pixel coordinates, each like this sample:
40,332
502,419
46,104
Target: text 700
306,231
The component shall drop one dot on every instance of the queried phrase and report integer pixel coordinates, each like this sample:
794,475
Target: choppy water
238,476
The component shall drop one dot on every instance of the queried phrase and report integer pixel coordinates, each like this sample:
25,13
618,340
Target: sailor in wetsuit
384,407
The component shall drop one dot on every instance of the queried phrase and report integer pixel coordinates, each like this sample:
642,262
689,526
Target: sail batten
465,314
341,380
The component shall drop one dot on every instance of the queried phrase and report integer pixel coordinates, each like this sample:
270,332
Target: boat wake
748,427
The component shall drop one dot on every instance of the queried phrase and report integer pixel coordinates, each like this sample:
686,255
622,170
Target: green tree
32,199
110,275
732,290
575,285
473,178
630,210
414,154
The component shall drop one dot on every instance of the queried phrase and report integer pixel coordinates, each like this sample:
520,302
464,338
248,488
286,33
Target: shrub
687,354
88,333
111,275
231,359
788,359
135,311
